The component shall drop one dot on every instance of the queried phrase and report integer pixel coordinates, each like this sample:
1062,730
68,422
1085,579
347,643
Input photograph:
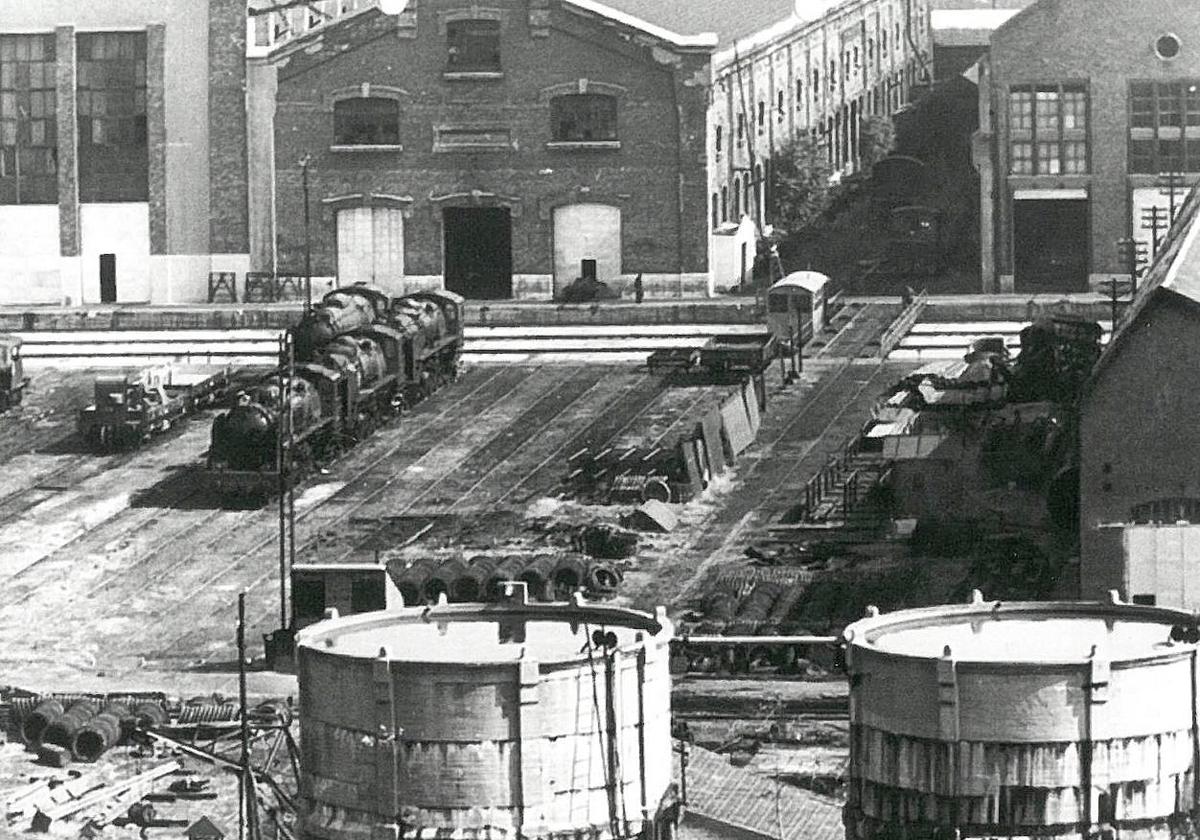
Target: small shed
796,305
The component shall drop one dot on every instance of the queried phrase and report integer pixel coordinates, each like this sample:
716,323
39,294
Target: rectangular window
585,118
473,46
111,106
28,131
1022,158
1164,126
1049,160
1048,130
1047,117
1074,157
1020,110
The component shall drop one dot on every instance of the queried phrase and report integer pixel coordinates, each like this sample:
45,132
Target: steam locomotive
361,357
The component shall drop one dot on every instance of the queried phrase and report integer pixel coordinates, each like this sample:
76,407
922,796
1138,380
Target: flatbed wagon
129,409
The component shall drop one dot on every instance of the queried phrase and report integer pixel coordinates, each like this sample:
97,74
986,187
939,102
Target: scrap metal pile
672,457
156,780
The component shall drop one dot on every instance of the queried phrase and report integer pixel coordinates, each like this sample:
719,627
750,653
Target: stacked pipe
471,583
35,723
62,728
100,732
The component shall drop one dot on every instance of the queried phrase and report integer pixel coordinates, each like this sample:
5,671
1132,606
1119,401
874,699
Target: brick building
824,75
507,149
122,149
1088,108
1139,440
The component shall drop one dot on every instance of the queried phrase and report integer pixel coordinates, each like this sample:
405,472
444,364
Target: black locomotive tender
361,356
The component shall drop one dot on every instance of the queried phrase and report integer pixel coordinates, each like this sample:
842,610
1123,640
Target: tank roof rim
656,626
863,634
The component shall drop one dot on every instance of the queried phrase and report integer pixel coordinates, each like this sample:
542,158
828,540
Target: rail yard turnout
434,460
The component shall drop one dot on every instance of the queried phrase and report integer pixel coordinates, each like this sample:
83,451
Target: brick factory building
1139,440
122,149
503,150
1090,110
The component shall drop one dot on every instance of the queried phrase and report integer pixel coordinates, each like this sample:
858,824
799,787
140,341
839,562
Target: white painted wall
30,268
586,232
122,229
726,254
1164,561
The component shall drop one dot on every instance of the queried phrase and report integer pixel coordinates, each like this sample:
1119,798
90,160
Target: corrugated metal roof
745,799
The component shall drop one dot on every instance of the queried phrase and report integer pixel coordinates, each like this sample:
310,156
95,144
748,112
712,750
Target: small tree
878,140
801,184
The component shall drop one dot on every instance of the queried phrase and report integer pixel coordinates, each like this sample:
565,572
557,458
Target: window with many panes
584,118
28,136
111,105
366,121
473,46
1047,126
1164,126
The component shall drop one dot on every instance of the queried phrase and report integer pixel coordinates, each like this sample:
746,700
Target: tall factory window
724,204
737,199
28,136
816,80
1048,130
584,117
111,104
473,46
762,115
717,140
716,211
366,121
741,127
779,106
799,94
1164,126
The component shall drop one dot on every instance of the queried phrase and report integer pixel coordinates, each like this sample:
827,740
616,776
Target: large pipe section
62,729
35,723
100,732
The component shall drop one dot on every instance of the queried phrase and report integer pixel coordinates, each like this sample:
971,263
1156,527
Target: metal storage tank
1056,719
490,720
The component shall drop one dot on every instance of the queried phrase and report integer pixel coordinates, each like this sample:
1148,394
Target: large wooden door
370,245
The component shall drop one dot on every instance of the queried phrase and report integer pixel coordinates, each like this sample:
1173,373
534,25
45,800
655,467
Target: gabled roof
660,25
1174,275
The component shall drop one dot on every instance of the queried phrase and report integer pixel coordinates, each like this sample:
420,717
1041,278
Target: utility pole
1133,255
304,162
1170,185
248,822
1156,219
284,458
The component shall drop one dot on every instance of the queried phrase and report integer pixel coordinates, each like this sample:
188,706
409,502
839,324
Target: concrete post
529,747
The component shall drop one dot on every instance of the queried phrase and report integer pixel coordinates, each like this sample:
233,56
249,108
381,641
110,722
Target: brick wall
1104,43
657,178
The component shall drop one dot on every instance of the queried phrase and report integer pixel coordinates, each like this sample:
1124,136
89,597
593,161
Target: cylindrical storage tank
1021,719
499,719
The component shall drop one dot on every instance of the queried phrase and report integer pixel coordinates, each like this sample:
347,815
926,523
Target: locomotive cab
796,307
